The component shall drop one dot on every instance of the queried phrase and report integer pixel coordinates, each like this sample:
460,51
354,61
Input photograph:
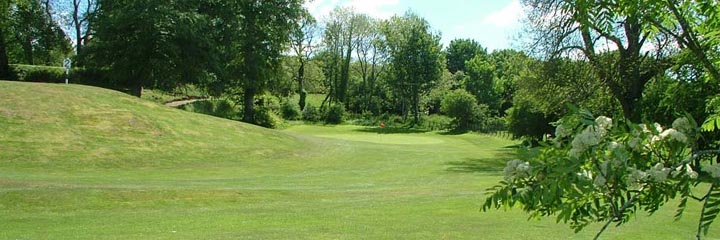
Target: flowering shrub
598,170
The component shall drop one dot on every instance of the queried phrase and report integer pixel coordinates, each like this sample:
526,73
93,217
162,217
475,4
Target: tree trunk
301,85
27,49
4,63
249,105
136,90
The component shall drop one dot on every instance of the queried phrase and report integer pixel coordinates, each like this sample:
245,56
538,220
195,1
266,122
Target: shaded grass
85,163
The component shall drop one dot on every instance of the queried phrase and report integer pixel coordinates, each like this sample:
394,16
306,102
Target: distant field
80,162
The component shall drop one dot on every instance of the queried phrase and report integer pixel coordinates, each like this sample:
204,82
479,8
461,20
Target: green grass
79,162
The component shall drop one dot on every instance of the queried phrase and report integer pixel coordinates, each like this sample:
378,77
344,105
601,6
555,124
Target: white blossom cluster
516,169
635,178
659,172
590,136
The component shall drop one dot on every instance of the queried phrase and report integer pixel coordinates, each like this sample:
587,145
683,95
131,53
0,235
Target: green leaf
711,208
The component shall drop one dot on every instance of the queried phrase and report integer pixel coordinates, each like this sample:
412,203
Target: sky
493,23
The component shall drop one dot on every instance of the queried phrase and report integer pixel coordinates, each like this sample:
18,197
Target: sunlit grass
80,162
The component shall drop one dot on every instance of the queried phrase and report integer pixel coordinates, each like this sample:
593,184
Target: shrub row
50,74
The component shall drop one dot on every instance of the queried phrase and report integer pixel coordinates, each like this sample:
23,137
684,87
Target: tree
302,44
39,38
252,35
480,81
371,56
613,36
151,43
339,39
460,51
415,57
4,62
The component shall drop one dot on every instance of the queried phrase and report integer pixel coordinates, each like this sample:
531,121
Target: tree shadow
390,130
480,165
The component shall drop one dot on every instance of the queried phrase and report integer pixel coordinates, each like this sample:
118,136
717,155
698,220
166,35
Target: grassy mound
73,126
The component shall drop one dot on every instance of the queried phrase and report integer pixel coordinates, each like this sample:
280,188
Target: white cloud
375,8
508,16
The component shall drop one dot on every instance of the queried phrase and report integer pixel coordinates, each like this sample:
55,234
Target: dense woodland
649,62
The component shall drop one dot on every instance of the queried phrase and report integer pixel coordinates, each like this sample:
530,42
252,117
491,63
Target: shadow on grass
491,164
390,130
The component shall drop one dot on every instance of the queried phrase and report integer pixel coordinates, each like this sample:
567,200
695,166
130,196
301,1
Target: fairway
79,162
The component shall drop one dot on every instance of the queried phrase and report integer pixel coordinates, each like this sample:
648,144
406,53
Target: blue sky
493,23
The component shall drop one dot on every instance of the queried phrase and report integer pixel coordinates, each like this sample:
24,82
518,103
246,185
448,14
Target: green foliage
49,74
335,114
408,37
600,170
166,45
462,50
463,108
311,113
219,108
524,120
266,117
32,36
480,81
290,111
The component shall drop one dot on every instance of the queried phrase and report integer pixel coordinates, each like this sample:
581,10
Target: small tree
463,108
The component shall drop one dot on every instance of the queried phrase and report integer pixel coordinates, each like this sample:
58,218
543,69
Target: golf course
79,162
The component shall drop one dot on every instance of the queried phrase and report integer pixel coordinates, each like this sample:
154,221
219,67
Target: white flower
673,134
561,132
690,172
644,128
604,122
658,127
587,138
516,169
713,170
682,124
659,172
635,178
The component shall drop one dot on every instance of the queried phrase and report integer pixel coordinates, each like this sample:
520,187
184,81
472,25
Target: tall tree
371,56
460,51
151,43
480,81
415,57
302,44
251,37
4,62
339,40
40,38
613,36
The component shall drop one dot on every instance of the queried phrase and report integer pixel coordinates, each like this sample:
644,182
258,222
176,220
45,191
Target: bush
436,122
266,118
290,111
335,114
463,108
311,113
526,121
32,73
50,74
217,108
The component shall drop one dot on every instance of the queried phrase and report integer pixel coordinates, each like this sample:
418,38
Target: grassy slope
81,162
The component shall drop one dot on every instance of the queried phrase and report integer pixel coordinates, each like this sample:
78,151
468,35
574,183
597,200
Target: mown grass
79,162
